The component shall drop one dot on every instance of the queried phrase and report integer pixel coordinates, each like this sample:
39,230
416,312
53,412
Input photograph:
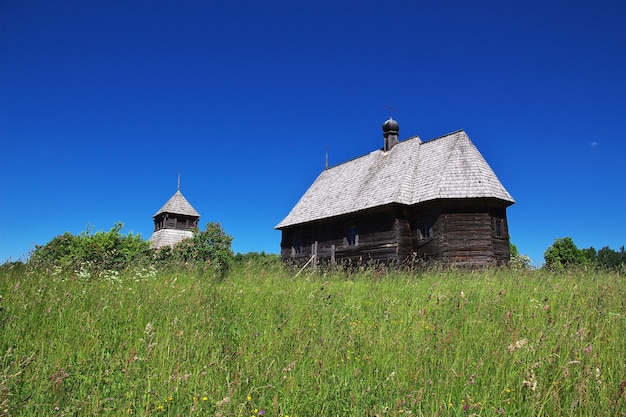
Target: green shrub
211,247
58,252
518,262
101,251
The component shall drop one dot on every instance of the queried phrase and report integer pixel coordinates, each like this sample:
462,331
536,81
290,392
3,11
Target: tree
563,253
590,255
610,259
209,247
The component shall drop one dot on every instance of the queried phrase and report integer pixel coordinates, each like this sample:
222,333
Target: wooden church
437,200
175,221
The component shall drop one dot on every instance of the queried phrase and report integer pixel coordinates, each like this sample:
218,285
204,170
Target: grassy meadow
262,342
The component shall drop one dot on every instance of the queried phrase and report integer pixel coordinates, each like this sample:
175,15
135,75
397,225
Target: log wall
460,233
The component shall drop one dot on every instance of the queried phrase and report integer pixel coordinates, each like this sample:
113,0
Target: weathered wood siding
466,238
175,221
376,240
459,232
404,239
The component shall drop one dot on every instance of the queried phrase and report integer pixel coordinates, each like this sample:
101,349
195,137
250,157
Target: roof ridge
456,132
416,137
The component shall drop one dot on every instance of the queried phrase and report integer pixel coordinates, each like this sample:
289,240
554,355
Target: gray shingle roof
177,204
411,172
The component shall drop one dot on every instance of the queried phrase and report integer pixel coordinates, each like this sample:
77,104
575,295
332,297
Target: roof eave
505,202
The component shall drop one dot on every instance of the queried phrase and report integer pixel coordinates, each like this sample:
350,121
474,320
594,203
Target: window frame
296,245
499,228
424,230
352,236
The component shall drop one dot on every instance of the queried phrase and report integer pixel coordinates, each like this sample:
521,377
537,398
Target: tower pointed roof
178,204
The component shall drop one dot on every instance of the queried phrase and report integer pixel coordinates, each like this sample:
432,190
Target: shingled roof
178,204
412,172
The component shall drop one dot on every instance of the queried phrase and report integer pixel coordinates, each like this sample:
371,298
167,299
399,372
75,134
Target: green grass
260,341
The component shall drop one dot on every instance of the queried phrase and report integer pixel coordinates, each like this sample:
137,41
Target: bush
90,253
102,251
211,247
518,262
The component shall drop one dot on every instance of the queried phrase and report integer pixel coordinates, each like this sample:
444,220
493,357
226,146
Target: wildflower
205,399
249,398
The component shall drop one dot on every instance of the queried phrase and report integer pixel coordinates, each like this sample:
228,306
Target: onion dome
390,126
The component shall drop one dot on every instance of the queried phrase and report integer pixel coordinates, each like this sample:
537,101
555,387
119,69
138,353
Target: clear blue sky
102,103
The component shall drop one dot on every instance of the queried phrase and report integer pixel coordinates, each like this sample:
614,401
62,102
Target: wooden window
499,227
352,238
425,230
296,245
